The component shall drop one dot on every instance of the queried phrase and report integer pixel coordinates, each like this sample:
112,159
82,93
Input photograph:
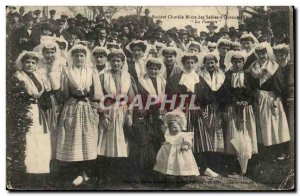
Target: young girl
175,156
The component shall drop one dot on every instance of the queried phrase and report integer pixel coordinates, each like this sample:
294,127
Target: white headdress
250,35
178,116
87,57
223,41
230,54
139,41
267,46
201,48
19,64
120,51
47,42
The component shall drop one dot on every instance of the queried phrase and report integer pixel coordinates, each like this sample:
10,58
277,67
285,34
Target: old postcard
150,98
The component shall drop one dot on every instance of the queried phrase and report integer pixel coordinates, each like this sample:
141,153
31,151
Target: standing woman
78,125
147,135
212,93
38,139
113,141
137,64
184,84
99,59
271,90
50,67
239,105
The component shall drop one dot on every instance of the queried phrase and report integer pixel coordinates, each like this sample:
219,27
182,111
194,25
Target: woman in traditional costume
99,59
271,90
184,84
113,139
146,135
239,116
50,67
38,148
78,125
249,42
211,94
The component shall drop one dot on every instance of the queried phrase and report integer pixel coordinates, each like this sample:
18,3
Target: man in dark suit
147,20
52,16
212,35
101,36
23,38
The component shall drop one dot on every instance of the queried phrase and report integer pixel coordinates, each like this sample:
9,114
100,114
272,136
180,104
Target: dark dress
195,118
273,122
234,114
213,104
250,60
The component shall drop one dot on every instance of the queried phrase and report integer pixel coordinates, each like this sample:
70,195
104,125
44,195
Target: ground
265,174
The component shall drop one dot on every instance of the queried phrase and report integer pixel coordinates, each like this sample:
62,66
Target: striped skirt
213,118
78,132
196,124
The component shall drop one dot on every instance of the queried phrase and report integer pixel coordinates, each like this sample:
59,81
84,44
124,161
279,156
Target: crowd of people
235,77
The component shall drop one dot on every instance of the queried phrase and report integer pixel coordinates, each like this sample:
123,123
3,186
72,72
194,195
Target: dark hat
140,44
15,14
234,33
243,27
60,21
212,25
194,30
47,26
37,12
231,29
147,11
172,32
52,12
203,33
224,30
13,7
64,17
188,27
182,32
78,16
71,20
27,17
158,21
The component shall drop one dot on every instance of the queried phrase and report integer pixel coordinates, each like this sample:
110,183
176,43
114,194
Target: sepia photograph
150,98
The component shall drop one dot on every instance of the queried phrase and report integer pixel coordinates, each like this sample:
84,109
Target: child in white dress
175,156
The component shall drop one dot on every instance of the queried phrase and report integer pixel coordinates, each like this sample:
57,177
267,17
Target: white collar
214,82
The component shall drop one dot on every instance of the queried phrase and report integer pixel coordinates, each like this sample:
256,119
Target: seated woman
38,149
